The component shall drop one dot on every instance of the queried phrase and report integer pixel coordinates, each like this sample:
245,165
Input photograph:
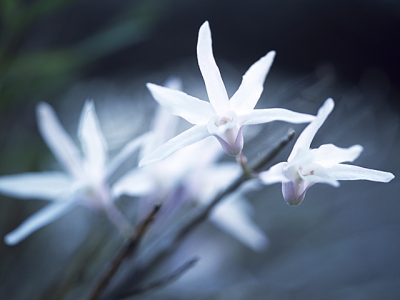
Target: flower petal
92,140
212,78
249,92
181,104
231,217
43,217
306,137
125,154
349,172
45,185
259,116
133,183
57,139
290,194
329,155
188,137
274,174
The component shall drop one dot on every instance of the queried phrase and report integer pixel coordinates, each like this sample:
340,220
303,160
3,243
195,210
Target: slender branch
139,274
242,161
255,167
162,281
127,250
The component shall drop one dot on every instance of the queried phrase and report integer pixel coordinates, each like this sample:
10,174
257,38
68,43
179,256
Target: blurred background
339,244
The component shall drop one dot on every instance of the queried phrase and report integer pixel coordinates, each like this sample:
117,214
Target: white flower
192,173
306,166
221,117
85,180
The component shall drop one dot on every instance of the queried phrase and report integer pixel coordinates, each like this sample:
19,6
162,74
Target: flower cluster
194,170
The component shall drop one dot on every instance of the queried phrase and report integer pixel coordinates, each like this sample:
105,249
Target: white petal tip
389,177
145,161
42,108
149,85
205,24
328,106
271,54
11,240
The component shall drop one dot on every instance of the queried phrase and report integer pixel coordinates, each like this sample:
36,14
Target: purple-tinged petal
45,185
290,194
59,142
92,140
249,92
236,148
193,110
349,172
259,116
186,138
43,217
215,86
306,137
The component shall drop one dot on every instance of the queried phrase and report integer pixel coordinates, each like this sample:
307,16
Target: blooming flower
191,173
85,180
306,166
222,117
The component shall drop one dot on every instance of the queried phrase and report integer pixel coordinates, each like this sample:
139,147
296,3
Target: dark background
339,244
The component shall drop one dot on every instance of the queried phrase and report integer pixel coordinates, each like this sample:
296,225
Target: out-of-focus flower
85,180
221,117
194,174
306,166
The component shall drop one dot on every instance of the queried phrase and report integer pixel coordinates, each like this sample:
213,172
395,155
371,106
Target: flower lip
218,125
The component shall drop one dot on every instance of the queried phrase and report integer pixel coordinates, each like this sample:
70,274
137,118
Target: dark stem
162,281
133,280
127,250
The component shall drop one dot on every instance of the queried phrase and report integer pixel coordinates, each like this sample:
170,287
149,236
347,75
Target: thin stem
255,167
242,161
162,281
139,274
127,250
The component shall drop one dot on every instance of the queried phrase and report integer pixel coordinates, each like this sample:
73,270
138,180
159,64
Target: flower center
223,120
227,130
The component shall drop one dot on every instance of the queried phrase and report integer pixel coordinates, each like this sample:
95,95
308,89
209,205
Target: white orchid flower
221,117
192,173
306,166
85,180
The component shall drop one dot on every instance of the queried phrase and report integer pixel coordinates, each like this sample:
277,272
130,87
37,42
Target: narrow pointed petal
133,183
232,218
92,140
259,116
306,137
45,185
125,154
274,174
349,172
43,217
57,139
193,110
329,155
321,178
186,138
212,78
252,86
